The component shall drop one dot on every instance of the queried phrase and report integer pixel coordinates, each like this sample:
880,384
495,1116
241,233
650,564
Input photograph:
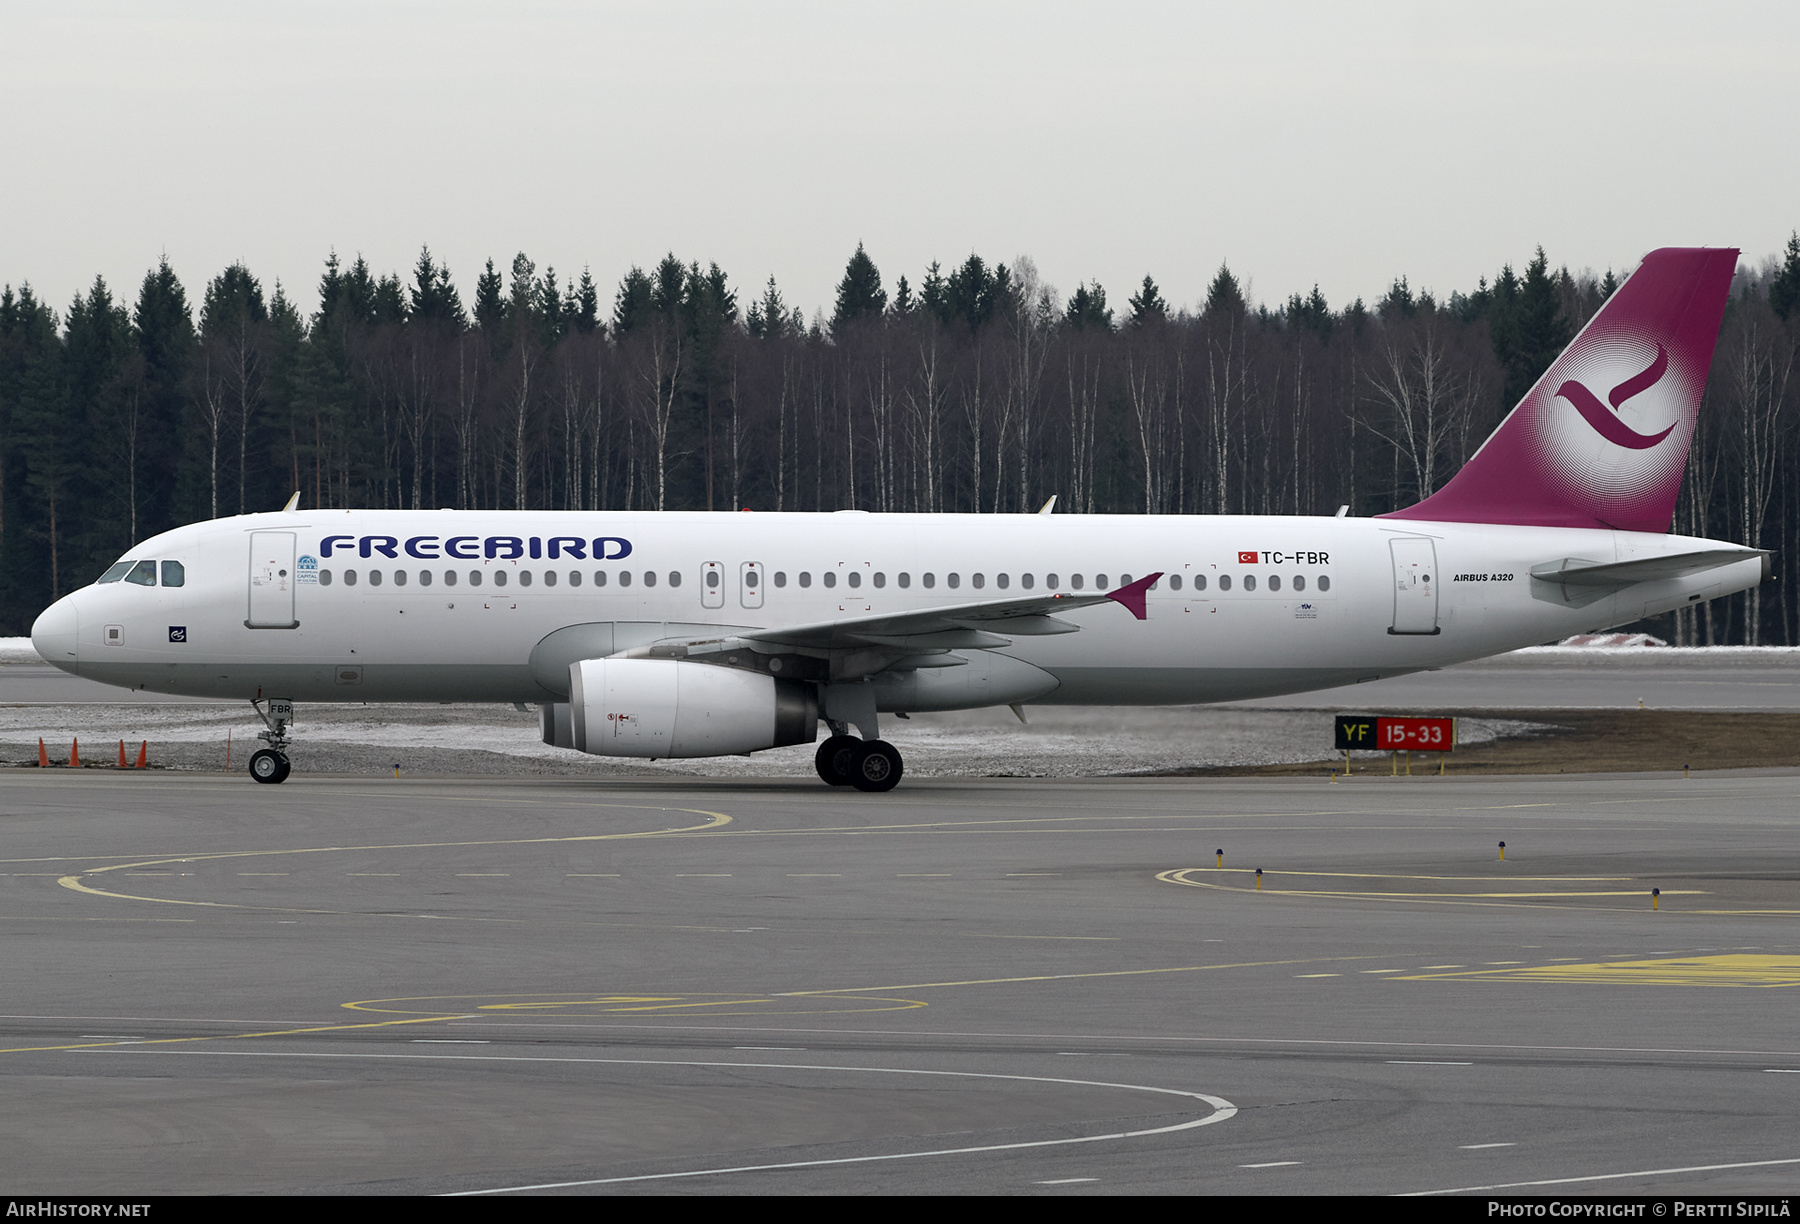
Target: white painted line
1273,1164
1065,1181
1598,1177
1781,1070
1427,1062
1478,1147
788,1048
1221,1109
450,1041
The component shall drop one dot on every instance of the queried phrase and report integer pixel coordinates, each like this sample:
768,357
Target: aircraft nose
53,635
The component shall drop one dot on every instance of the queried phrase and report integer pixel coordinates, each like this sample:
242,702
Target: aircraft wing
970,626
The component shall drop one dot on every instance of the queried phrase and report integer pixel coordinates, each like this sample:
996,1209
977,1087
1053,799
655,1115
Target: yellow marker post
1655,899
1221,856
1502,852
1259,879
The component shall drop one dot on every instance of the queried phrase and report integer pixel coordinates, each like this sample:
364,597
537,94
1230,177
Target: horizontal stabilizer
1574,571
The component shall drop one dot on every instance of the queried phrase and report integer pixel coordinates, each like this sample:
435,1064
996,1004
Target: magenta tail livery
680,635
1602,439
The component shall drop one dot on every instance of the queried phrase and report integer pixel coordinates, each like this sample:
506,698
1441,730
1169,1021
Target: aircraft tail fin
1601,439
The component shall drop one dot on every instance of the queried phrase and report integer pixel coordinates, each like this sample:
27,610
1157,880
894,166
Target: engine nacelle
661,708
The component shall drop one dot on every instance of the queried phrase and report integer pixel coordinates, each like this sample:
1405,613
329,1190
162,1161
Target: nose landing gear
270,765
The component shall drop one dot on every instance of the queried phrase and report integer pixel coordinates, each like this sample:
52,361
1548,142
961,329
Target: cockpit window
115,573
143,573
174,573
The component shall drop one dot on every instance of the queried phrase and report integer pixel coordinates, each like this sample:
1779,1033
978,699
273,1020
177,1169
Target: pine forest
973,389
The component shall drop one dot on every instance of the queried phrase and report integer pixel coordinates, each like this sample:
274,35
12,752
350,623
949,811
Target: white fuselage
1327,601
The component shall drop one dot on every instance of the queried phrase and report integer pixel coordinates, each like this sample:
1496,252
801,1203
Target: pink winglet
1566,457
1132,597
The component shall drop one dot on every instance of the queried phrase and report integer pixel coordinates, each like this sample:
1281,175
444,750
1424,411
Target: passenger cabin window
1324,583
324,577
675,578
1002,581
599,578
1274,582
905,580
1052,581
1224,582
780,578
1199,582
830,579
855,579
374,577
880,580
550,578
1249,582
930,581
424,577
399,577
175,574
524,577
474,577
805,578
499,578
574,578
649,577
349,577
115,572
450,578
143,573
953,581
978,581
1075,581
1026,581
624,578
1299,582
1100,581
1174,582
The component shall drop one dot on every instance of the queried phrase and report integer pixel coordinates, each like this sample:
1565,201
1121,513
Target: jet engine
660,708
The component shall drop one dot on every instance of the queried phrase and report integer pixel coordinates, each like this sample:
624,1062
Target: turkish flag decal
1246,558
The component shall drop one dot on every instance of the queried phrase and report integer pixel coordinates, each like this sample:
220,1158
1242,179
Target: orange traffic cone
75,753
121,754
43,756
143,753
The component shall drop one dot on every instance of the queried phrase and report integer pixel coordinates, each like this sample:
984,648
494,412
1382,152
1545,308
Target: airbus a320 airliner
690,635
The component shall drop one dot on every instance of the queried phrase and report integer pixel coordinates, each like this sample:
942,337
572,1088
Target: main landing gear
868,765
270,764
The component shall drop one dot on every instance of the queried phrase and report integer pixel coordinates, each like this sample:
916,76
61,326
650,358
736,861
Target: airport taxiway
1004,986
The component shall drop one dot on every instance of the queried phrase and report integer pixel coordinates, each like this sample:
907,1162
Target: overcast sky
1342,143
